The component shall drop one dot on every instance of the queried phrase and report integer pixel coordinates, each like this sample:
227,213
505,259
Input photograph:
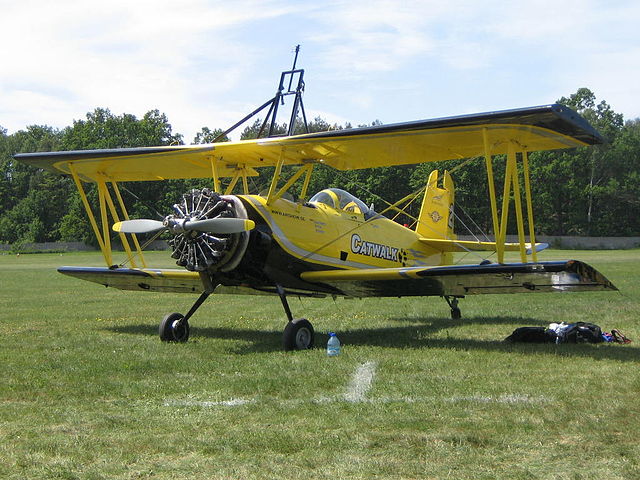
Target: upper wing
138,164
537,128
461,280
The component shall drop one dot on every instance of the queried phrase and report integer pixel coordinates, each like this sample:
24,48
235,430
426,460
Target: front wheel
298,335
173,328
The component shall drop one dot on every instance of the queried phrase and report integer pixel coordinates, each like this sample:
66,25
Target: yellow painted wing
461,280
147,279
538,128
166,280
139,164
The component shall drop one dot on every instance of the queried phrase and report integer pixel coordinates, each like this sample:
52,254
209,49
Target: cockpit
341,200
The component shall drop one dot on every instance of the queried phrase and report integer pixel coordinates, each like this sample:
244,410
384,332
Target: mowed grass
88,391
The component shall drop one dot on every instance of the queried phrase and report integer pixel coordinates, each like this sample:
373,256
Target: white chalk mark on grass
234,402
358,395
357,390
360,383
506,399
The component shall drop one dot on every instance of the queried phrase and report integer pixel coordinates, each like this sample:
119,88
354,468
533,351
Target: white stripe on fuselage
295,249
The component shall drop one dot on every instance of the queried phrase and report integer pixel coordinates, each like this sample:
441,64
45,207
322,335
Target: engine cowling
202,251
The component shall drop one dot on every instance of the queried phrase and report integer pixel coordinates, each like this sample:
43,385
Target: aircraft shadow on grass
414,334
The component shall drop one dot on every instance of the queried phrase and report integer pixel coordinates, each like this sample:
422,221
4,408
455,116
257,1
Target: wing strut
106,252
511,188
106,201
527,189
125,214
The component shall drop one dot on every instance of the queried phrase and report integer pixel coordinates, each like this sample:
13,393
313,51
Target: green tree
47,205
102,129
206,135
567,184
615,196
14,176
29,199
35,217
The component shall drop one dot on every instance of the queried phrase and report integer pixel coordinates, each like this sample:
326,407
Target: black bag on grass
532,335
579,332
582,332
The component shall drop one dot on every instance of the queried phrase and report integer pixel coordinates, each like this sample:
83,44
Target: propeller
216,225
138,226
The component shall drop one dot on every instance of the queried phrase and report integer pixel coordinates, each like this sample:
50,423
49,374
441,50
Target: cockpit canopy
341,200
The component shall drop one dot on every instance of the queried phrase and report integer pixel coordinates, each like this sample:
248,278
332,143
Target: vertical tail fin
436,213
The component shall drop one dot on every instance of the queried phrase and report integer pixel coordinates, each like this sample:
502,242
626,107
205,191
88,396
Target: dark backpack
579,332
531,335
582,332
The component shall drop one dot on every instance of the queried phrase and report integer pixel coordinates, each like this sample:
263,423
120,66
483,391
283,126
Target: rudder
436,213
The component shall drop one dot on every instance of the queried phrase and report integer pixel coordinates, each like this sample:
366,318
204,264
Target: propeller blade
138,226
211,225
220,225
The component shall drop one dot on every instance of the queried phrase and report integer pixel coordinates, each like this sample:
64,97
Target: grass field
88,391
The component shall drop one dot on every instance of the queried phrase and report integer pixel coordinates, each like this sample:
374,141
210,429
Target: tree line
590,191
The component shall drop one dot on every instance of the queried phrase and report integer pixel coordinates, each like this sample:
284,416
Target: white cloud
68,57
489,54
367,37
206,62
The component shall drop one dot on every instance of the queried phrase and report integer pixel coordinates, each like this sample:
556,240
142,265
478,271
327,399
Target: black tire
173,328
456,314
298,335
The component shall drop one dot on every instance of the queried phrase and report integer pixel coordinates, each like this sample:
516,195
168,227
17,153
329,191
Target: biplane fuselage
292,239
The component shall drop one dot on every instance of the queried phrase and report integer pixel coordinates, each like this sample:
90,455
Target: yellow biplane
330,243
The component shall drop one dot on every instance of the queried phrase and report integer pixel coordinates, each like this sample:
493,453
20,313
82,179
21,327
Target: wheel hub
303,339
178,329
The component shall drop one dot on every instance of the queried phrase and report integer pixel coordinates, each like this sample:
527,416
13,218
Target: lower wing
145,279
168,280
454,280
460,280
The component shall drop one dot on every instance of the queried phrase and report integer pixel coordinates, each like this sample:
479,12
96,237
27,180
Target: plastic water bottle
333,345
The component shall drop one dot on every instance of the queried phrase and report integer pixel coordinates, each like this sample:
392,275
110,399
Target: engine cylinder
202,251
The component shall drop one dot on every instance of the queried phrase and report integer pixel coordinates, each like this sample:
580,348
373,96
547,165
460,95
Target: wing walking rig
331,243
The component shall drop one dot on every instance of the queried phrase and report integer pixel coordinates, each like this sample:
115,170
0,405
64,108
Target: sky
209,62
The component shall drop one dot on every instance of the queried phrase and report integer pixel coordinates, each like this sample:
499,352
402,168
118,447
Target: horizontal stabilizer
446,245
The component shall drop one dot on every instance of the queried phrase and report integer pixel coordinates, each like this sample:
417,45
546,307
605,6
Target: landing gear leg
456,314
298,334
174,327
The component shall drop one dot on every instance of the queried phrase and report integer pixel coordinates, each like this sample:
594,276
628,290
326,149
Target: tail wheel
173,328
456,314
